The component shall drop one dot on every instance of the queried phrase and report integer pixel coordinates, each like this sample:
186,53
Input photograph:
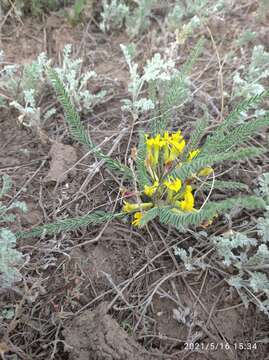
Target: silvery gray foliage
246,37
76,83
190,10
263,222
227,247
188,260
249,256
6,186
204,6
259,282
238,250
10,258
24,84
251,279
175,16
34,73
29,112
258,258
139,106
263,189
138,20
263,228
113,15
156,69
28,77
249,287
7,74
117,12
249,80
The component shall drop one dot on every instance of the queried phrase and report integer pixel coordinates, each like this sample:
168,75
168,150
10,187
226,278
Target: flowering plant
162,154
173,178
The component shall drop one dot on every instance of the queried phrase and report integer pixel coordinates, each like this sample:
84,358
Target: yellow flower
149,157
158,143
175,151
149,142
193,154
166,146
153,149
176,136
205,171
129,207
137,218
188,203
150,190
177,141
179,146
174,185
173,146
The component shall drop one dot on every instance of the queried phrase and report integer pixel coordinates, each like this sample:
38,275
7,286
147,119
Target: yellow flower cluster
172,145
188,203
150,190
173,185
137,218
128,207
162,151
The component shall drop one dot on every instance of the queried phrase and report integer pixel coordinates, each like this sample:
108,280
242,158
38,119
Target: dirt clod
95,335
63,157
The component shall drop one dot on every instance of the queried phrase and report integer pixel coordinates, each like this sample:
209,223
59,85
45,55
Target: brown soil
96,335
112,292
63,159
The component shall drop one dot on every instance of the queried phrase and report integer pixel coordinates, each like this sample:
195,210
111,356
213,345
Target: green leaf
222,185
197,134
182,220
221,141
71,115
175,93
142,174
76,128
195,53
71,224
149,216
242,107
188,169
78,7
